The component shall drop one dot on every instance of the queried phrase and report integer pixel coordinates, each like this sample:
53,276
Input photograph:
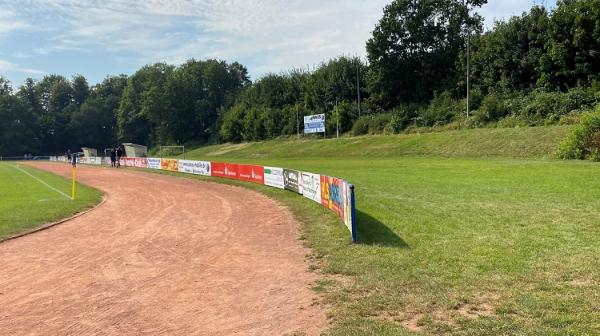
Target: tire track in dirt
162,256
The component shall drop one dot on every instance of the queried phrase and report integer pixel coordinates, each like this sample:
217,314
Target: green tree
414,48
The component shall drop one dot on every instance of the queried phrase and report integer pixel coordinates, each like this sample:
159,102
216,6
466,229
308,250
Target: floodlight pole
337,121
468,62
297,123
358,83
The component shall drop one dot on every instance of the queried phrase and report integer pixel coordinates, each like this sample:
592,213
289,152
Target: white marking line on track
42,182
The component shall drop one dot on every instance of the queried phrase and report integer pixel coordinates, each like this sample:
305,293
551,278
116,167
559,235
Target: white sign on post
314,124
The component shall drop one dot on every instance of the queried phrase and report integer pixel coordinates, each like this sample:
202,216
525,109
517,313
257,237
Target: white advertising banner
314,123
311,186
195,167
94,160
153,163
274,177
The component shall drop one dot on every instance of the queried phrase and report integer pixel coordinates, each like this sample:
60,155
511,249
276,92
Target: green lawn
449,245
26,203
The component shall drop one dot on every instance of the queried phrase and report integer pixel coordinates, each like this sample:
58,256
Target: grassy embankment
26,203
475,232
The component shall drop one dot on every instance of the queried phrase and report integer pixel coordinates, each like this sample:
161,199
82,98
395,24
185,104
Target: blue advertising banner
314,124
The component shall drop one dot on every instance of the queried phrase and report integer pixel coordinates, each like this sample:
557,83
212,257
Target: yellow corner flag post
73,185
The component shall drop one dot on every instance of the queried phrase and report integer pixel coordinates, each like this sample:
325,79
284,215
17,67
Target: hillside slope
530,142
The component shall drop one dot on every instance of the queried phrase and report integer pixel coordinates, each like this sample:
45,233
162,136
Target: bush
400,118
493,108
584,140
548,107
443,109
375,124
361,126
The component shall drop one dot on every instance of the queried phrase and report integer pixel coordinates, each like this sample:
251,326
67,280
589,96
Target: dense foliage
584,140
539,68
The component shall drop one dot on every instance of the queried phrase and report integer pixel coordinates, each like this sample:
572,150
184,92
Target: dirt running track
163,256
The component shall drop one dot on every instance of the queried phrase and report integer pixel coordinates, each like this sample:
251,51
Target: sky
97,38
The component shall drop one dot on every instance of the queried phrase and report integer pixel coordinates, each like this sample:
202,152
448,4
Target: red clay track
162,256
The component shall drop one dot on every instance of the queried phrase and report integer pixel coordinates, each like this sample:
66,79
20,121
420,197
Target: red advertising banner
140,162
130,162
251,173
169,164
225,170
331,194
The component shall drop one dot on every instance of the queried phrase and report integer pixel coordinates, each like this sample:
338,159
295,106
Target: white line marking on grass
42,182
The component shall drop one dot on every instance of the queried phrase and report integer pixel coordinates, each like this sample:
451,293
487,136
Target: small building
135,150
89,152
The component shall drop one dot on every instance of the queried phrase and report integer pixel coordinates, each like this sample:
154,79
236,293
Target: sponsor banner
194,167
347,192
314,123
251,173
122,162
169,164
140,162
94,160
154,163
332,194
311,186
225,170
274,177
129,162
292,180
107,161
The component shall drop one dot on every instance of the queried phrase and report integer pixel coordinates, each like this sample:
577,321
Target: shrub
375,124
584,140
443,109
492,108
361,126
400,119
548,107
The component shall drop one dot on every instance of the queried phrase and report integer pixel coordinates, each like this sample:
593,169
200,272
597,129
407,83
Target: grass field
26,202
450,242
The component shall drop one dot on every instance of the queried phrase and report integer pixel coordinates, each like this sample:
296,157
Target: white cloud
6,67
501,10
9,22
266,35
277,34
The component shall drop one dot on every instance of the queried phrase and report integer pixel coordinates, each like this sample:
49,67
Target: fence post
353,206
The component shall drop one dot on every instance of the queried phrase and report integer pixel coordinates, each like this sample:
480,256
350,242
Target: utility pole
358,83
337,122
297,123
468,61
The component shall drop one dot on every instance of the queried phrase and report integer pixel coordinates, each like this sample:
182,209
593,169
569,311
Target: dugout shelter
134,150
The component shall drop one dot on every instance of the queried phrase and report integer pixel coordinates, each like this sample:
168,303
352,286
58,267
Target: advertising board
292,180
130,162
169,164
331,194
194,167
274,177
251,173
314,124
225,170
311,186
153,163
140,162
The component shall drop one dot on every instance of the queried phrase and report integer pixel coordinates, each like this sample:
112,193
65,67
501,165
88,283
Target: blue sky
96,38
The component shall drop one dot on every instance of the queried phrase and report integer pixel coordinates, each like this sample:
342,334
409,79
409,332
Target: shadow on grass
373,232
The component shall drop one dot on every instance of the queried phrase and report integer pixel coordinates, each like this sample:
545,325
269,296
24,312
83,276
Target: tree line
541,67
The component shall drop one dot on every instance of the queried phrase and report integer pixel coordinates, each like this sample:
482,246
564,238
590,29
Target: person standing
68,156
74,160
119,155
113,157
